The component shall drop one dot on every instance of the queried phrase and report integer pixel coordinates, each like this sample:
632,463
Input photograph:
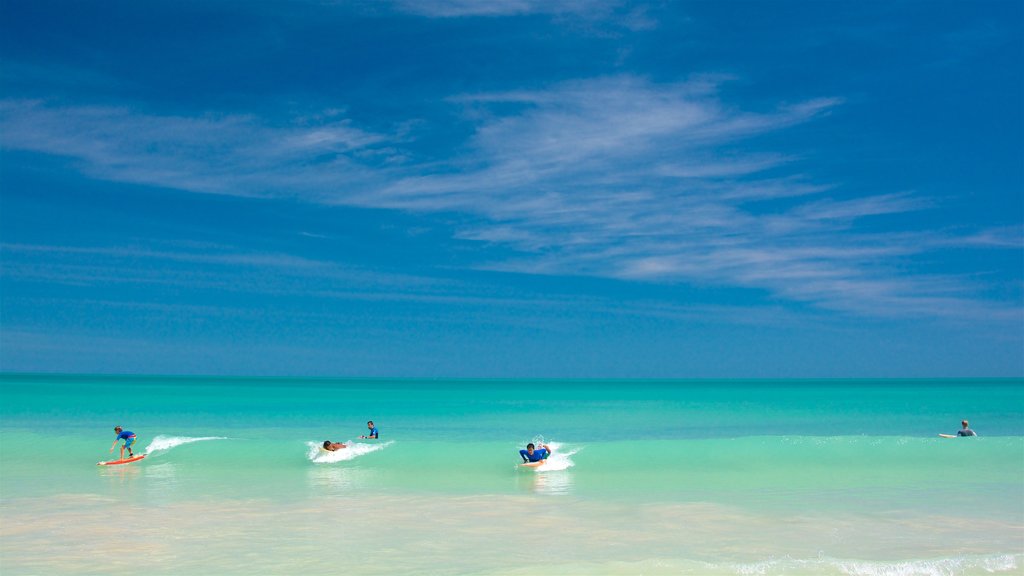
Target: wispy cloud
596,16
206,265
457,8
225,154
614,177
849,210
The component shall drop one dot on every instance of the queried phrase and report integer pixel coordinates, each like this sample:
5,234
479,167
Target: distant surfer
332,446
965,431
129,439
373,435
531,454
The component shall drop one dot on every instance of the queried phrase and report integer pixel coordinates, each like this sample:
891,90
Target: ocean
647,477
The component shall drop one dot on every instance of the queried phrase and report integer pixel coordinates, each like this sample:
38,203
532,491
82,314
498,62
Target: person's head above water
118,429
529,448
369,424
964,423
327,443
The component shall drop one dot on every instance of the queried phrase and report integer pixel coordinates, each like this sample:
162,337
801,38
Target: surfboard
947,436
125,461
533,464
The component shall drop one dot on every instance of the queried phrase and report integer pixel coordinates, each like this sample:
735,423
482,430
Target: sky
513,188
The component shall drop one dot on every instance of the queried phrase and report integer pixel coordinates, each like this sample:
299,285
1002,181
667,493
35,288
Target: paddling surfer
332,446
532,454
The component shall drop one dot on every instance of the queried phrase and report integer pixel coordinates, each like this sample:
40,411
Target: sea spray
318,455
163,443
559,459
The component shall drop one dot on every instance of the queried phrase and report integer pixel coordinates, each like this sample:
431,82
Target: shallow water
719,477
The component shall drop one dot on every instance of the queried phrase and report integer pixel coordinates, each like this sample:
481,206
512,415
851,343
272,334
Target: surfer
332,446
965,431
373,435
129,439
531,454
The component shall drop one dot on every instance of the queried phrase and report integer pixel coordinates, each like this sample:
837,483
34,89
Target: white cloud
460,8
614,177
601,17
207,265
236,155
847,210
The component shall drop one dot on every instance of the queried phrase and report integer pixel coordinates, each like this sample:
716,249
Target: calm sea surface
651,477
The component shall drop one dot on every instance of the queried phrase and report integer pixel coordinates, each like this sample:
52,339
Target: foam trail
318,455
559,459
168,442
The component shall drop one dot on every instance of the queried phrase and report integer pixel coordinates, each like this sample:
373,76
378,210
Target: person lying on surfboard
129,439
332,446
531,454
964,432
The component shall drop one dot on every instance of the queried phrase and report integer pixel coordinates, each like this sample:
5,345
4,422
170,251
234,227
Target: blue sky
520,188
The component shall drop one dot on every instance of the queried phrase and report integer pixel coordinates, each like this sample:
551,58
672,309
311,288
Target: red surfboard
125,461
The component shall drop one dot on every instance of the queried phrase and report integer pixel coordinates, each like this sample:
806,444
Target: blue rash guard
374,433
538,455
128,437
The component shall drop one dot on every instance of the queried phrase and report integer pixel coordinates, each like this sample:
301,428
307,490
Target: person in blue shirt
966,431
373,435
129,439
531,454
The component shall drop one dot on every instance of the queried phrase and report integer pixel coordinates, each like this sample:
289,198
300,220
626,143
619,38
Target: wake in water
318,455
560,458
167,442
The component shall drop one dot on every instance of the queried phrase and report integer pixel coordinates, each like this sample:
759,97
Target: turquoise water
674,477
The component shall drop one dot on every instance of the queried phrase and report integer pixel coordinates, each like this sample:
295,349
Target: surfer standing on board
966,431
373,435
129,439
533,455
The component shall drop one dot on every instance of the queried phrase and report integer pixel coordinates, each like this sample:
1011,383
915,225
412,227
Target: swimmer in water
965,431
373,435
332,446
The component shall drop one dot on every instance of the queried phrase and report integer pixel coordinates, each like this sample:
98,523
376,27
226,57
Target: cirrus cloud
615,177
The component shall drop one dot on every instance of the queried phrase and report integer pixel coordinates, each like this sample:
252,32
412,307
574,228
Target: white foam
936,567
318,455
168,442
